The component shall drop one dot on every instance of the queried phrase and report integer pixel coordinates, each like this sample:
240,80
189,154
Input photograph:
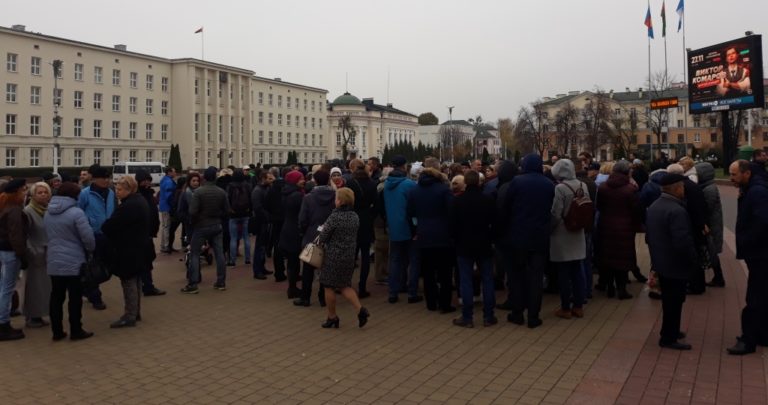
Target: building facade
120,105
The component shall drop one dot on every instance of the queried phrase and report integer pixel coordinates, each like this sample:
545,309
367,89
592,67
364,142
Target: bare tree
595,120
566,126
348,133
506,135
530,128
452,141
657,120
623,132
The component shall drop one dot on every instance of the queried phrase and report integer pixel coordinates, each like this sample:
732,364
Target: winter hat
210,174
98,172
14,186
398,161
335,170
671,178
293,177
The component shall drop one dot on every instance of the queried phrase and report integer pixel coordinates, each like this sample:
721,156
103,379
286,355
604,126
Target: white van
155,169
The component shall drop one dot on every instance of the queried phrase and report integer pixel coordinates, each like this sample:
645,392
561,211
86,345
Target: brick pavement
250,345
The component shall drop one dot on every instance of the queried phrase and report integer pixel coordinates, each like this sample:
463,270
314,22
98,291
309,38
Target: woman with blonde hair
339,239
37,284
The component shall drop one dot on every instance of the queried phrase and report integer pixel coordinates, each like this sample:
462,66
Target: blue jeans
401,257
485,265
571,279
238,229
201,234
10,266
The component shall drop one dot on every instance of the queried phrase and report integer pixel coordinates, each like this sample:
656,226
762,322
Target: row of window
12,62
11,128
288,121
11,96
268,157
296,104
649,139
290,139
12,157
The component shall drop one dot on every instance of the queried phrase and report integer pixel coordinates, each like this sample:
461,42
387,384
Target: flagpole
649,67
202,45
685,77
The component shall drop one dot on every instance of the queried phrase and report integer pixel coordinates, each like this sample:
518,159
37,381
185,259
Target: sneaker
190,289
258,276
81,335
7,332
154,292
464,323
36,323
563,313
122,323
220,286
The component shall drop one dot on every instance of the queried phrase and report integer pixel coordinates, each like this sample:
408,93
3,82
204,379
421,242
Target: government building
117,105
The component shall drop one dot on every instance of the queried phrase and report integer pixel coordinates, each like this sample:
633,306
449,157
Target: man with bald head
751,234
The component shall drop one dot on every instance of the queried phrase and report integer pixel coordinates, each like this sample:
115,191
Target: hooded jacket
565,245
96,208
69,237
315,209
290,239
396,190
524,208
429,204
714,212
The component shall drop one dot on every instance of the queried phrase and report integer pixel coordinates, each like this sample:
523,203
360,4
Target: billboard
727,76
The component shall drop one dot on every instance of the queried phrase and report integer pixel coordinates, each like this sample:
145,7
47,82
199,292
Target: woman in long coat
290,240
619,220
128,235
706,176
339,239
37,284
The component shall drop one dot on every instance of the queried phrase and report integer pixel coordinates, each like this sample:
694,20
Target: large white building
120,105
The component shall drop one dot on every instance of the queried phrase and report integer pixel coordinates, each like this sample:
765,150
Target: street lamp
450,133
56,117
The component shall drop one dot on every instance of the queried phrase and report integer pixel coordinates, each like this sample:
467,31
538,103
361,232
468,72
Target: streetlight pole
56,118
451,132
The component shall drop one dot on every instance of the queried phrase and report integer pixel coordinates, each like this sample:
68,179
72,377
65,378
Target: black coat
429,204
365,198
697,209
752,221
315,209
128,236
290,240
472,218
670,239
154,215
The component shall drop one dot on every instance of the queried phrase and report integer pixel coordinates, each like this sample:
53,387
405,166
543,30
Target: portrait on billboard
734,80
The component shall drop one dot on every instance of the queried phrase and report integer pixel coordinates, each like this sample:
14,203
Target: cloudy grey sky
482,56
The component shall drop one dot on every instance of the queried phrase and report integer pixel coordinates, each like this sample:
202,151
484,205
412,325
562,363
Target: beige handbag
313,253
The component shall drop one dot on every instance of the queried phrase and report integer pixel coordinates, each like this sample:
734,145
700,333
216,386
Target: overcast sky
483,57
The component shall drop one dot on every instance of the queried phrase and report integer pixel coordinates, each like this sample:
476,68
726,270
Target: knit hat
335,170
14,186
293,177
98,172
210,173
398,161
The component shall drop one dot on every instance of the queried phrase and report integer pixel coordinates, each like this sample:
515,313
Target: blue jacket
69,236
396,189
167,189
429,203
524,208
96,209
752,221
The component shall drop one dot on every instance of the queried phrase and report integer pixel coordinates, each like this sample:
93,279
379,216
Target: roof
346,99
371,106
563,99
457,122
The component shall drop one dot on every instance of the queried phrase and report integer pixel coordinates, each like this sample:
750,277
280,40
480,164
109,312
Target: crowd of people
524,227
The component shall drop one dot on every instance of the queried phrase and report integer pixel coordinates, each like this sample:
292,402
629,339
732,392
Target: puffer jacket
396,190
69,237
429,204
96,208
315,209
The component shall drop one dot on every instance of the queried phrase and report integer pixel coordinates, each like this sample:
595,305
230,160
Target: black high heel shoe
362,317
331,323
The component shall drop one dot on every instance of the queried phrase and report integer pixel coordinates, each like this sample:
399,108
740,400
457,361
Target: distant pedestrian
167,190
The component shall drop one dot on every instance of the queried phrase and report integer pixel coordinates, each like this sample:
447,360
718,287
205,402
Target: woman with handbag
70,239
128,232
37,284
339,240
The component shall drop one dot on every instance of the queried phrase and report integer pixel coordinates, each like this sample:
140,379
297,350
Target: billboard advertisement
727,76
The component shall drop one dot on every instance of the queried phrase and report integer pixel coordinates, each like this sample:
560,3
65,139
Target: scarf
39,209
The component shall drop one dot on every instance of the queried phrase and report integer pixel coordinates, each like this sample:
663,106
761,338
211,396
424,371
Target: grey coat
69,237
565,245
714,217
37,286
339,239
670,238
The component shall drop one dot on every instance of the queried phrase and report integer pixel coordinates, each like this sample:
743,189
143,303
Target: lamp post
56,118
450,132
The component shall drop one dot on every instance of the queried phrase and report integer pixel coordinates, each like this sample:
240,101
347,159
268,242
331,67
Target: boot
7,332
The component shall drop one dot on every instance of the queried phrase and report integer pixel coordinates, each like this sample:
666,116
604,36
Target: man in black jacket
144,179
673,252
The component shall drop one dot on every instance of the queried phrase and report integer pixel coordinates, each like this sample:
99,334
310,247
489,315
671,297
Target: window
97,156
78,155
680,138
288,138
313,105
164,107
297,121
97,128
208,125
197,157
279,138
679,123
115,157
297,103
261,117
97,101
79,72
648,139
288,120
150,83
34,95
697,137
149,127
305,104
261,136
288,102
34,157
321,140
279,119
270,99
132,130
164,84
115,77
115,129
35,66
164,132
313,122
57,96
78,127
713,122
10,92
220,130
149,156
305,120
197,126
271,156
97,73
197,86
34,125
208,88
149,106
133,80
270,138
713,137
10,157
132,104
132,155
313,139
279,101
78,99
270,119
321,123
261,98
220,87
164,158
10,62
116,103
10,124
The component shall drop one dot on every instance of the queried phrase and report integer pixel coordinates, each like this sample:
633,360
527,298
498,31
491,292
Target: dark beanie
70,190
210,173
321,177
14,186
98,172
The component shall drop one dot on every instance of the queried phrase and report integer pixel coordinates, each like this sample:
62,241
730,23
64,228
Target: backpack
239,200
581,212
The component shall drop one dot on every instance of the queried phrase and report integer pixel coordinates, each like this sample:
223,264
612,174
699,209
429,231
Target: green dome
347,99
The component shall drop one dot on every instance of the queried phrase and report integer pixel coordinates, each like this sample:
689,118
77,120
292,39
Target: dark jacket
752,221
651,191
365,198
273,201
154,215
128,236
472,217
640,175
697,209
208,205
620,218
233,189
258,204
670,239
523,208
315,209
14,227
714,213
290,240
429,204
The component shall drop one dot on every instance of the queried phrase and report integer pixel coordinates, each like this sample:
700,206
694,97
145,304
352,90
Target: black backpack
581,212
239,199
